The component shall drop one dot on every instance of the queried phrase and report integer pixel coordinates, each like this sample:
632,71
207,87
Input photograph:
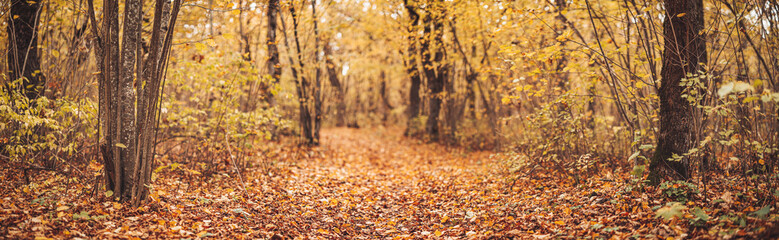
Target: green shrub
679,191
42,129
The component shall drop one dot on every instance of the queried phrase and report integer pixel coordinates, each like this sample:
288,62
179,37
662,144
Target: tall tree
129,93
336,84
127,130
23,60
274,69
560,7
684,53
317,77
410,60
302,84
245,46
436,70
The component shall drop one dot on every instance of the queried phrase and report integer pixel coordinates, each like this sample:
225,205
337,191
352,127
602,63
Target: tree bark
386,106
244,47
108,63
436,70
317,77
274,69
684,50
562,75
127,139
302,85
23,60
127,127
148,108
412,69
336,84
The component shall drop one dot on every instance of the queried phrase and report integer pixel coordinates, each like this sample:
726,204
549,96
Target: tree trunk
469,106
317,77
302,84
684,50
412,69
127,139
336,84
127,127
436,70
108,63
23,60
274,69
244,47
562,75
384,93
148,108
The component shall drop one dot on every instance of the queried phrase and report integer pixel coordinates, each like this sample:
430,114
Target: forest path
368,183
374,182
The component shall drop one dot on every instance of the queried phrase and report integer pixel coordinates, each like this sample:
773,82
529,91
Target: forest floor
373,184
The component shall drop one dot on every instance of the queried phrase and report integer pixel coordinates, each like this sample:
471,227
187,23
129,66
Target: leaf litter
375,184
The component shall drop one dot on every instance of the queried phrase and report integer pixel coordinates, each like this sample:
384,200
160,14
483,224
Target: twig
610,70
235,168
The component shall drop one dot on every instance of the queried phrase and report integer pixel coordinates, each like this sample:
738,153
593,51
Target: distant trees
683,56
129,92
335,82
23,60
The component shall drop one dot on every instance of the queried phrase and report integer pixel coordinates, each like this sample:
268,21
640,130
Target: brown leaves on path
360,184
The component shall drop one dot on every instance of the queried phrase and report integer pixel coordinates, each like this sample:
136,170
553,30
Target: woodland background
670,108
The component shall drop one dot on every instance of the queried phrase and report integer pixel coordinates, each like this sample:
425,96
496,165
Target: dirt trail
375,183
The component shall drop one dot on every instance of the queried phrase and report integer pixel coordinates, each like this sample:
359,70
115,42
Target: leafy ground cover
376,184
